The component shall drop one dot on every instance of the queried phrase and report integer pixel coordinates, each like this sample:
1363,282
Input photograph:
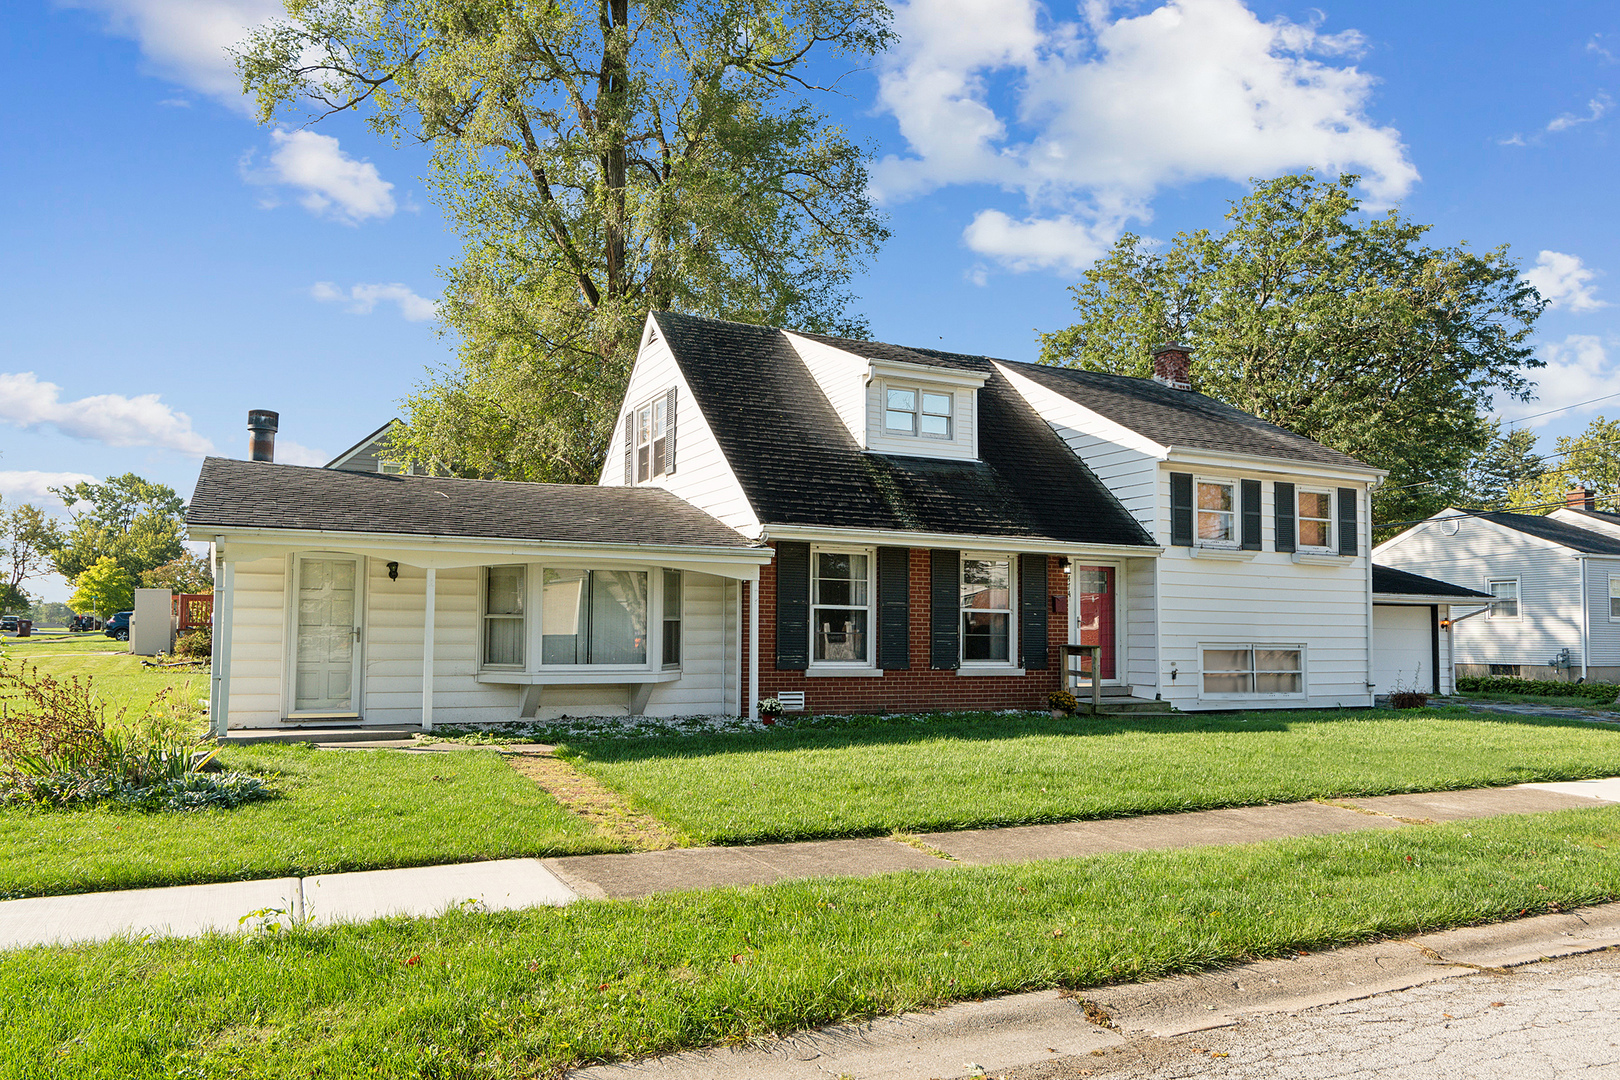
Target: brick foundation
920,688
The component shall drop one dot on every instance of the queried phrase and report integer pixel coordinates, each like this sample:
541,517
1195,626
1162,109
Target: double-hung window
910,411
1614,597
672,618
1217,512
1505,599
593,617
503,616
987,610
652,428
1315,519
841,607
1253,670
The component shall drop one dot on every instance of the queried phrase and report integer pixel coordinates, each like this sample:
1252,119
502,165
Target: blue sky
171,264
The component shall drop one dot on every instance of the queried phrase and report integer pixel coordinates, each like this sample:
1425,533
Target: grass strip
971,772
334,811
522,994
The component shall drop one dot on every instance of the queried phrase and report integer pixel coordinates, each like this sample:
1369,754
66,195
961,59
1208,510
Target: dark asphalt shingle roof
799,465
1585,541
262,495
1387,579
1182,418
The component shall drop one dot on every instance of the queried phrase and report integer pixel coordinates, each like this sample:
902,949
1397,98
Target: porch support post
427,648
753,649
219,700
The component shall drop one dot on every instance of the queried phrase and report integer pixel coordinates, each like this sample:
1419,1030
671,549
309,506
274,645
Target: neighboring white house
1553,585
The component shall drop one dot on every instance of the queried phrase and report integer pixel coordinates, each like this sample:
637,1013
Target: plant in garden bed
1062,703
58,747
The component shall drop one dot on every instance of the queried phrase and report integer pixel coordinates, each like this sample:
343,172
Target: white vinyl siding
258,637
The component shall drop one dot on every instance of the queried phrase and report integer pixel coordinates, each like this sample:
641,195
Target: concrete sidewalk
192,910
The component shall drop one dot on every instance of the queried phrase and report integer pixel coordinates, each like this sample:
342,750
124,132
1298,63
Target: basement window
1253,671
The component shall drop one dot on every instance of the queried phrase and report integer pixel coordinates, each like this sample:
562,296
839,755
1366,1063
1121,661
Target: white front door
326,657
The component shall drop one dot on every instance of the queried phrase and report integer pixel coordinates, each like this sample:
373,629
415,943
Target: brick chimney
1172,366
1581,498
262,425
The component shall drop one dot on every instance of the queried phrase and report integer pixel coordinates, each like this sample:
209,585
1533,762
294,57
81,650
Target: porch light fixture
393,571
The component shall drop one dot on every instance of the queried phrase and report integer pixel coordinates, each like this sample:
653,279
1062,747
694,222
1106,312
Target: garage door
1403,648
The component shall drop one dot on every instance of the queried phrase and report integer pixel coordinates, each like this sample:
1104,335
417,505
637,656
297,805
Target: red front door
1094,612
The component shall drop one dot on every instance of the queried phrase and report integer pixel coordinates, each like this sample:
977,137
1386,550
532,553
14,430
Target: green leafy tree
1589,460
103,588
137,523
1338,325
599,160
1508,463
190,573
27,537
50,614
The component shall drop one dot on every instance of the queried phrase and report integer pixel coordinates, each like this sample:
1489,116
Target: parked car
117,627
82,623
8,624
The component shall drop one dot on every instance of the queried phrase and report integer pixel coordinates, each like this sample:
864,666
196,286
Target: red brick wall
920,688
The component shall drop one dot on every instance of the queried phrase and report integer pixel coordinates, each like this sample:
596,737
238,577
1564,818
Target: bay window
841,607
986,609
593,617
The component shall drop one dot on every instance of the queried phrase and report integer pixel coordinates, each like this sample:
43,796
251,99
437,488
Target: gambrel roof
798,464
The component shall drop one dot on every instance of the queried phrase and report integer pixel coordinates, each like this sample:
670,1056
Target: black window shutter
630,448
1250,490
792,606
945,598
1032,611
1285,516
894,608
1347,521
669,432
1181,509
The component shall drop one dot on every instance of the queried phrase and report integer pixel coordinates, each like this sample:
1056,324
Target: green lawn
118,678
336,810
956,773
1559,701
525,994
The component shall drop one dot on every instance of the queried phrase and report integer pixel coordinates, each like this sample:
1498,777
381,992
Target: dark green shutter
894,608
669,432
1249,490
945,600
1181,509
630,448
1032,611
1285,516
792,606
1347,521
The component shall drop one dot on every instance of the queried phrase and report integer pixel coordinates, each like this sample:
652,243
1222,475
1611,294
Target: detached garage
1411,630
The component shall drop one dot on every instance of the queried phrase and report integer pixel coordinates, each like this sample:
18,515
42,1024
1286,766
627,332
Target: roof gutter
752,553
1283,464
903,538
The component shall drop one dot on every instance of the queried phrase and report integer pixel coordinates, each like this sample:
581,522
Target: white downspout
219,704
1372,688
429,609
753,650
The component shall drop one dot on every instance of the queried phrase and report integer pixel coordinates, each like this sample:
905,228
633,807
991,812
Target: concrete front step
326,734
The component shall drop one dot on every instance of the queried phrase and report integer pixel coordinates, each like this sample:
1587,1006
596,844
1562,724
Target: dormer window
910,411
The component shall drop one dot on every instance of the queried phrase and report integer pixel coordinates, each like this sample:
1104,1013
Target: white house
1553,585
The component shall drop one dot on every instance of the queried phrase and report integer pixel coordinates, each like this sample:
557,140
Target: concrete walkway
192,910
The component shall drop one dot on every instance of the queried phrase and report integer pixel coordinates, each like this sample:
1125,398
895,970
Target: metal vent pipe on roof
262,424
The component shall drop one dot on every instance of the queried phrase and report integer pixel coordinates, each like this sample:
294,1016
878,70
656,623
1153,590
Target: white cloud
1565,281
363,299
28,485
291,453
106,418
332,183
1087,119
185,41
1578,370
1595,110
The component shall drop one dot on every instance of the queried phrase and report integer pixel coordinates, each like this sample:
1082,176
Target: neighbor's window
986,610
1614,596
841,607
672,618
503,616
652,426
1217,512
1253,669
1315,518
1505,602
593,617
918,412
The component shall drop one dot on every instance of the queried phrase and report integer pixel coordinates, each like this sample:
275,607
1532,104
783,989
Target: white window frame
1252,647
1518,600
485,615
665,618
656,466
919,411
533,625
1236,542
1330,547
1614,579
1011,663
870,662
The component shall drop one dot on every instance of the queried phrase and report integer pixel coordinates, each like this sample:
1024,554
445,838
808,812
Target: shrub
57,749
1062,700
197,645
1409,699
1504,684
